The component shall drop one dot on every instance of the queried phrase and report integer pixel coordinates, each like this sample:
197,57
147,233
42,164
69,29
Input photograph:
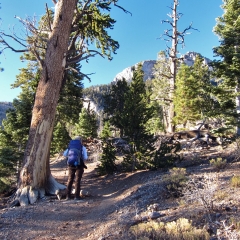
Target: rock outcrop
127,73
189,58
148,67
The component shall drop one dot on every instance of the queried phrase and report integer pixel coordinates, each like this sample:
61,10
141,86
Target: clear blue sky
138,35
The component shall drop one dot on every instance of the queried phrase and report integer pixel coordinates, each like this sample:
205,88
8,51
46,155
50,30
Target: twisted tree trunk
35,173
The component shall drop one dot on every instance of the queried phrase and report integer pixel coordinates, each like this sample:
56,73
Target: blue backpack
75,153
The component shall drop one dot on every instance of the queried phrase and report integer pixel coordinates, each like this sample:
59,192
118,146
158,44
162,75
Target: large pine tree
194,98
227,68
137,113
114,103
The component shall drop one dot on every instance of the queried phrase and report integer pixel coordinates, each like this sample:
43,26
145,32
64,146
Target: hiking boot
77,198
67,198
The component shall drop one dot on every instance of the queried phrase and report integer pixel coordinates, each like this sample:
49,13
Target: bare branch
167,21
73,41
76,71
75,59
36,54
122,8
186,29
4,42
49,23
29,26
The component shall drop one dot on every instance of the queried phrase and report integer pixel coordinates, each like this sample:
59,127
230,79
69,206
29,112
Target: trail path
94,217
113,205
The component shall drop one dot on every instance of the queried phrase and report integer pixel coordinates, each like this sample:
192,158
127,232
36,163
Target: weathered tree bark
173,57
36,170
176,37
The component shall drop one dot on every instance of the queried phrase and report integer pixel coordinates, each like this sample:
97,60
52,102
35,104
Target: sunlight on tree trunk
36,170
176,37
173,57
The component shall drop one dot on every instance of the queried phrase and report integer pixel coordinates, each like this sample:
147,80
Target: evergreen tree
137,115
61,138
87,125
70,100
108,158
227,69
205,89
14,133
185,99
114,103
193,98
136,107
16,125
106,132
9,164
155,124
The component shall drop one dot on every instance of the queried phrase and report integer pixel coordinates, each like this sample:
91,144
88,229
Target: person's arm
84,154
65,153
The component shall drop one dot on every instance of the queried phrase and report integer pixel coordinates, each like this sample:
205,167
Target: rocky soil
117,202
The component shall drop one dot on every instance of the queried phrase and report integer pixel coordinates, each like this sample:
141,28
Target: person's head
78,138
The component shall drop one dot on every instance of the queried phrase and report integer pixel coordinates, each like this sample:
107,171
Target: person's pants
72,171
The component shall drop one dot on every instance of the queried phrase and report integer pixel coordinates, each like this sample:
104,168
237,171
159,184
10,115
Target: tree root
30,195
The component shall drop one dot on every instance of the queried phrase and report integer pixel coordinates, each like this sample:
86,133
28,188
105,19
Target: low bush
218,163
175,181
235,181
179,229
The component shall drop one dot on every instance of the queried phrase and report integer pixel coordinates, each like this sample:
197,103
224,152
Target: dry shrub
220,195
202,190
235,181
218,163
175,181
179,229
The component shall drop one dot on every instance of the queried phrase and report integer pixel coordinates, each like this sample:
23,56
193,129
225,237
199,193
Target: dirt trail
110,209
98,212
50,218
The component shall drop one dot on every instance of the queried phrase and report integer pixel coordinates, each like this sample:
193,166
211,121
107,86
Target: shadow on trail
113,192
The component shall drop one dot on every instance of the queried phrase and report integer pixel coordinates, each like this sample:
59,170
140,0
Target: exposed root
29,195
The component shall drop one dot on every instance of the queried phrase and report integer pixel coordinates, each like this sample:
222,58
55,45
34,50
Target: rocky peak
127,73
147,67
190,57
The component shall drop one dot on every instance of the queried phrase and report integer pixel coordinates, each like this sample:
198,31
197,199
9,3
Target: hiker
75,148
